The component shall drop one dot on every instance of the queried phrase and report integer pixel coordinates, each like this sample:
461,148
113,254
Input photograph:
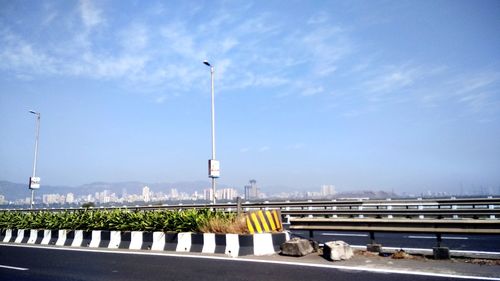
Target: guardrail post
421,207
440,253
389,208
334,208
454,207
310,209
238,205
492,207
361,209
373,247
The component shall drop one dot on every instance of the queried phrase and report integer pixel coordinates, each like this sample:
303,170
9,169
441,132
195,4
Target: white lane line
13,267
345,234
455,238
420,237
434,237
332,266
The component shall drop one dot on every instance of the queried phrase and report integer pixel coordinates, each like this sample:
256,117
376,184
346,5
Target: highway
461,242
54,264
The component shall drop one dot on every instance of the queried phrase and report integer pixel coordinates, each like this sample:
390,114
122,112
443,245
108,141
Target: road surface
53,264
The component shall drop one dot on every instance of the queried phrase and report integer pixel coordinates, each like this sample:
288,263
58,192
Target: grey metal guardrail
438,227
443,226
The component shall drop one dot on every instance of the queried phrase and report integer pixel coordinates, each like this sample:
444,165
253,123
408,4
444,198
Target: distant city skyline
363,95
148,196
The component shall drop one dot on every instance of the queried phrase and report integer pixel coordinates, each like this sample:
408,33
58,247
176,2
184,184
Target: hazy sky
401,95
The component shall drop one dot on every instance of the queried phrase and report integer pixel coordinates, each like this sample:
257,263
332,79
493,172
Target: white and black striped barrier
230,244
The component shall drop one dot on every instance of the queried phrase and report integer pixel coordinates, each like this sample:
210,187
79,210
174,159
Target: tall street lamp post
213,165
34,180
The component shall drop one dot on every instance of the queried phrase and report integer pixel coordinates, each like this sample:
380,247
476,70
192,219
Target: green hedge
123,220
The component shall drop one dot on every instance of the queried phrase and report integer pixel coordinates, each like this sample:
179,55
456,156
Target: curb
233,245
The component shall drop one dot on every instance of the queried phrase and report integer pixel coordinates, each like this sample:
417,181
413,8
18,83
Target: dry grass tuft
221,225
401,254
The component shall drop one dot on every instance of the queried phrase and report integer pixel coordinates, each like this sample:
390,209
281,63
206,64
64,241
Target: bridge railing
453,208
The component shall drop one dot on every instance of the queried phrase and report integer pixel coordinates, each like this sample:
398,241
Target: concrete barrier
231,244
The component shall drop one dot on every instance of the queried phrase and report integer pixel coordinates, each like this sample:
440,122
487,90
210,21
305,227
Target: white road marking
345,234
332,266
13,267
421,237
434,237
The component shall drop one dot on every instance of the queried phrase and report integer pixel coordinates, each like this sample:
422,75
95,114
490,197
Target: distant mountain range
13,191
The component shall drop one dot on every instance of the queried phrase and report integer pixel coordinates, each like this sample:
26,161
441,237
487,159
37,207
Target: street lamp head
206,62
34,112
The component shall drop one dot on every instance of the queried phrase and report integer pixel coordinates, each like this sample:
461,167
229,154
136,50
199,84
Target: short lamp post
34,180
213,165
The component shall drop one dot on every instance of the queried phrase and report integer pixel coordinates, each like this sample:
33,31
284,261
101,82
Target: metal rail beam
393,225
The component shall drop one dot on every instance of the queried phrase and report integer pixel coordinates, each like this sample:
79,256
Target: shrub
192,220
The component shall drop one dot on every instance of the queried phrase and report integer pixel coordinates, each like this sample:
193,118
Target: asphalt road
486,243
52,265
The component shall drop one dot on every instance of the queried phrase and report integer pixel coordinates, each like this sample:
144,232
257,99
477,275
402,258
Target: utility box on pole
213,168
34,183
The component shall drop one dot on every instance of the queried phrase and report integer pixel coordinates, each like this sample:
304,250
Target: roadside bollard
439,252
373,247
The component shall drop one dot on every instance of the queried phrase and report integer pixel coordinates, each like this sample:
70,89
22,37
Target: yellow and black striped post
264,221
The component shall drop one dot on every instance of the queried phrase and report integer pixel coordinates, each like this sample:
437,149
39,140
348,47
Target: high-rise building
208,194
174,194
70,198
251,190
146,194
328,190
227,193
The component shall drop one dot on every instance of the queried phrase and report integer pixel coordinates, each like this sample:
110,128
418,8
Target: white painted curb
115,238
78,240
20,236
8,235
47,234
96,239
208,243
232,245
183,242
33,236
158,241
61,238
135,240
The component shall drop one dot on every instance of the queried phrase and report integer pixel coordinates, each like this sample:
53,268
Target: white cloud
23,57
393,78
311,91
135,37
477,91
264,148
295,146
228,44
160,100
91,16
319,18
479,81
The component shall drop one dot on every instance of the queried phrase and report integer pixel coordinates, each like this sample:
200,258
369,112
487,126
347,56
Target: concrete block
375,248
441,253
296,247
337,250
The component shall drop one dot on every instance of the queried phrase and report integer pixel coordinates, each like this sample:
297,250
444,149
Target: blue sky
393,95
